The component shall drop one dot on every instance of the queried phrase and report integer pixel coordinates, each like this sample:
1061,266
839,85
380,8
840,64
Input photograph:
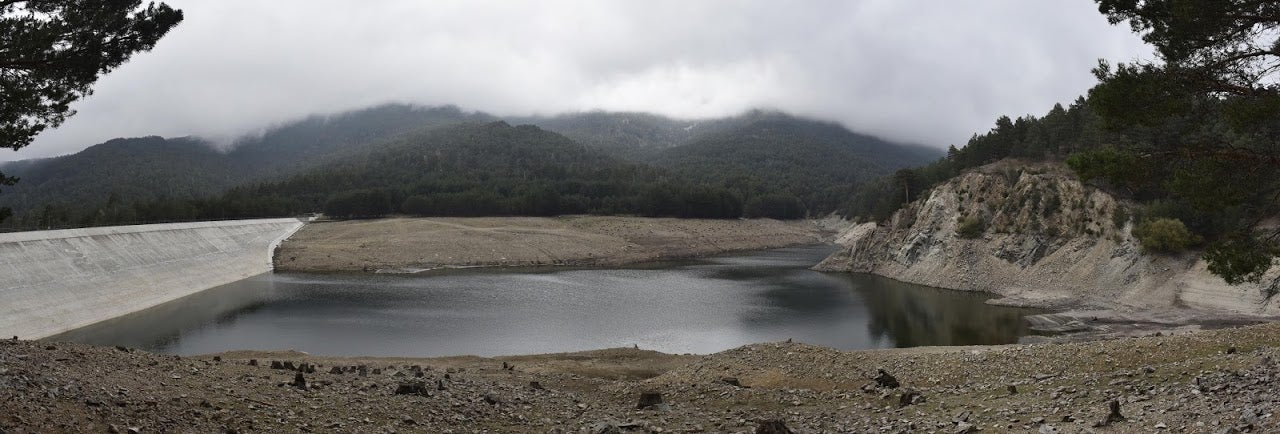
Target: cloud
925,71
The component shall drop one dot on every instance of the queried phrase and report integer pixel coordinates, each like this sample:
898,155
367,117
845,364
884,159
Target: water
699,306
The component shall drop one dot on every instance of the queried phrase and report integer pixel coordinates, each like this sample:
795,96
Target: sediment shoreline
408,245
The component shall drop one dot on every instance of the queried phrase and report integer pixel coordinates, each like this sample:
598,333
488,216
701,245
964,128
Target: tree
52,51
1205,118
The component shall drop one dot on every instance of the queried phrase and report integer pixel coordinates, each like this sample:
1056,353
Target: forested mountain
470,170
819,163
138,168
769,159
148,168
632,136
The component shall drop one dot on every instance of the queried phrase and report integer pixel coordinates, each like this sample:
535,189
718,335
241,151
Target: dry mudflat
418,244
1215,381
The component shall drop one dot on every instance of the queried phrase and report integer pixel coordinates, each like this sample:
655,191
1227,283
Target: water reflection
692,306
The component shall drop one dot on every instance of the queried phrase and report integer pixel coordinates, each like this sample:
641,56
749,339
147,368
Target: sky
925,71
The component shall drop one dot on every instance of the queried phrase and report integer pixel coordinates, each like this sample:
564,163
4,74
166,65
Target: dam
58,280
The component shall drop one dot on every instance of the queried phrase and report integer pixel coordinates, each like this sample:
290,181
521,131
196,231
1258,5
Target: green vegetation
1165,235
1192,137
970,226
758,165
53,52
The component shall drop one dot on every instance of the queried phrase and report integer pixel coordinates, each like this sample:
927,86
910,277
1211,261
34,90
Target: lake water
695,306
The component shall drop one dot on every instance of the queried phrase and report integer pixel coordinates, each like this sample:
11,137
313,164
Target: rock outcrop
1037,236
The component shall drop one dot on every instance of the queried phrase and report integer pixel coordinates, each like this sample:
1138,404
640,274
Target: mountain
779,153
818,162
484,169
148,168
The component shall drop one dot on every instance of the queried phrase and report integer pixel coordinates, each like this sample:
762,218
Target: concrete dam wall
59,280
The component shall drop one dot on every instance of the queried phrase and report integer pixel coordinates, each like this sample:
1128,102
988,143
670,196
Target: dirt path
416,244
1220,381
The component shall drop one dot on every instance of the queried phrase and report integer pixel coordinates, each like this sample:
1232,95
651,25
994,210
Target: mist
916,71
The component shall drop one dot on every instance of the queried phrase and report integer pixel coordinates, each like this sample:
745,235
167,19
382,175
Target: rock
602,427
275,364
1113,415
1048,429
649,399
1013,390
217,358
440,385
336,370
299,381
1231,350
412,388
964,428
408,421
491,399
253,362
732,381
288,364
535,385
910,397
884,379
775,426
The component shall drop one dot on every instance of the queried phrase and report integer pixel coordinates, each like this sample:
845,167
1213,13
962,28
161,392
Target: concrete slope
54,281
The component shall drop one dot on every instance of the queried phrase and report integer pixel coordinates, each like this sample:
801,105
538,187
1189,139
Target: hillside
818,162
761,155
150,168
1037,235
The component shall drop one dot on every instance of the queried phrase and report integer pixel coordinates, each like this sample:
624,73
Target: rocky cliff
1037,236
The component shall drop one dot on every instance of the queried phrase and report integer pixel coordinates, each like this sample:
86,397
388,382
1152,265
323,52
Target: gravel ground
1217,381
409,245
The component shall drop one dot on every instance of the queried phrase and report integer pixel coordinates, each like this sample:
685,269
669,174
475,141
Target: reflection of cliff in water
913,315
159,326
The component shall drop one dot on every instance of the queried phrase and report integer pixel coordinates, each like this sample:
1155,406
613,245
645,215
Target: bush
1165,235
970,227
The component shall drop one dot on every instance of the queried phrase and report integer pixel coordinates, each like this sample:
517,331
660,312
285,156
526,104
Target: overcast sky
926,71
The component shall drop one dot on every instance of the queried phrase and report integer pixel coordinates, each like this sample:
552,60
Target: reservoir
690,306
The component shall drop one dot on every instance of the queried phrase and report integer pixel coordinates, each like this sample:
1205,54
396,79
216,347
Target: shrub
1165,235
970,227
1120,216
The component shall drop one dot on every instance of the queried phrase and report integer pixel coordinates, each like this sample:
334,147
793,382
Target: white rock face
55,281
1049,241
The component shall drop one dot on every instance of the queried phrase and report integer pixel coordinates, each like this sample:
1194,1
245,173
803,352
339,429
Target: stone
336,370
732,381
491,399
299,381
649,399
275,364
1113,415
910,397
440,385
535,385
1013,390
217,358
775,426
253,362
412,388
602,427
1231,350
884,379
964,428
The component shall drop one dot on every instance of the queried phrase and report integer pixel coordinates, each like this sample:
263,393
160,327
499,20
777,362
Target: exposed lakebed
694,306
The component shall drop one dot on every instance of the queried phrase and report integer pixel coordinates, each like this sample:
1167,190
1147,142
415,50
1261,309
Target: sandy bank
1209,381
416,244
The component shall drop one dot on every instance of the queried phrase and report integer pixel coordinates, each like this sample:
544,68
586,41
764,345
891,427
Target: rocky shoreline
1219,381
